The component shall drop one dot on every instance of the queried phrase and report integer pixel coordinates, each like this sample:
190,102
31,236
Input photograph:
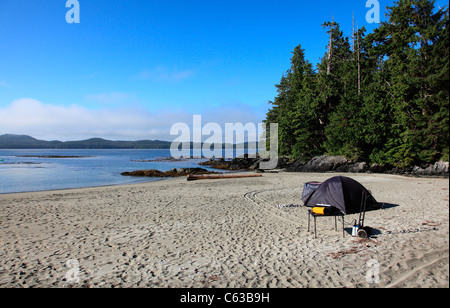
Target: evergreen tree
341,95
384,100
305,116
286,111
414,71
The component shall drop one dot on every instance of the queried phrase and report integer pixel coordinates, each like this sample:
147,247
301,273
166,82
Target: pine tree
413,70
286,111
306,124
384,99
340,99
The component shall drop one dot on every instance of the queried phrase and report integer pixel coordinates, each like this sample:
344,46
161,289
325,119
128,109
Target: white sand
222,233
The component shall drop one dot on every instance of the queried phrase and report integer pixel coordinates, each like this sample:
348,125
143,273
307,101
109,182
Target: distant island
16,142
23,142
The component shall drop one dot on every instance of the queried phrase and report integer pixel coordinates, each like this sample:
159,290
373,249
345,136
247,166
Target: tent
309,188
341,193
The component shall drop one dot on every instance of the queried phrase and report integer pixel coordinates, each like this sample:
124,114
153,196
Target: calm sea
95,168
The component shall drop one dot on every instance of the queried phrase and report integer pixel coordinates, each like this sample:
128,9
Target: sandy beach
223,233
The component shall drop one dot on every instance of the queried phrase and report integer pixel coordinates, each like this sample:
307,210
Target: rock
296,166
325,164
359,168
397,171
172,173
193,171
284,162
440,168
235,164
244,163
255,165
377,168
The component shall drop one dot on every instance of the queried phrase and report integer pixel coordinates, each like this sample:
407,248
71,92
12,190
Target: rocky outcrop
322,164
168,174
439,168
245,163
377,168
327,163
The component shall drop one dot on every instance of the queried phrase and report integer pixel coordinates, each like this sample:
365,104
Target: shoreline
82,188
231,172
222,233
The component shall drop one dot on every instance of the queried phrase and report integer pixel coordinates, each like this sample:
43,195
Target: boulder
377,168
326,163
359,168
439,168
296,166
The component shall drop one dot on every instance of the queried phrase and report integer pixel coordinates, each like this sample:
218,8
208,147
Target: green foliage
382,99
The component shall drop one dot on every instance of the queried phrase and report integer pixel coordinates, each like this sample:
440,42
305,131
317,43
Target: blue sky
131,69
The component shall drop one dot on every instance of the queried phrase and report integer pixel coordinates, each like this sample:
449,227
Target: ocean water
94,168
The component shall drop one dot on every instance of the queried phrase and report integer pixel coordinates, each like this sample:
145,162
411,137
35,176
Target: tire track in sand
274,212
430,260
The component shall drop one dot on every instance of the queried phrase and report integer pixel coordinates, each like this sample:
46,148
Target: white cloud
55,122
29,116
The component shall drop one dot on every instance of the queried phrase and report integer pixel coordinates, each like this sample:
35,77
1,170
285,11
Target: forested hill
379,97
27,142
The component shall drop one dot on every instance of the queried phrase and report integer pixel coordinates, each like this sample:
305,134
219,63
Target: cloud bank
54,122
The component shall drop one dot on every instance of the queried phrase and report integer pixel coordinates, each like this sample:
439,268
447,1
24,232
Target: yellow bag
319,210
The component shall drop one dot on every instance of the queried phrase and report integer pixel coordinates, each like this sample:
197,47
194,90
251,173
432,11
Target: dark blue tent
309,188
341,193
